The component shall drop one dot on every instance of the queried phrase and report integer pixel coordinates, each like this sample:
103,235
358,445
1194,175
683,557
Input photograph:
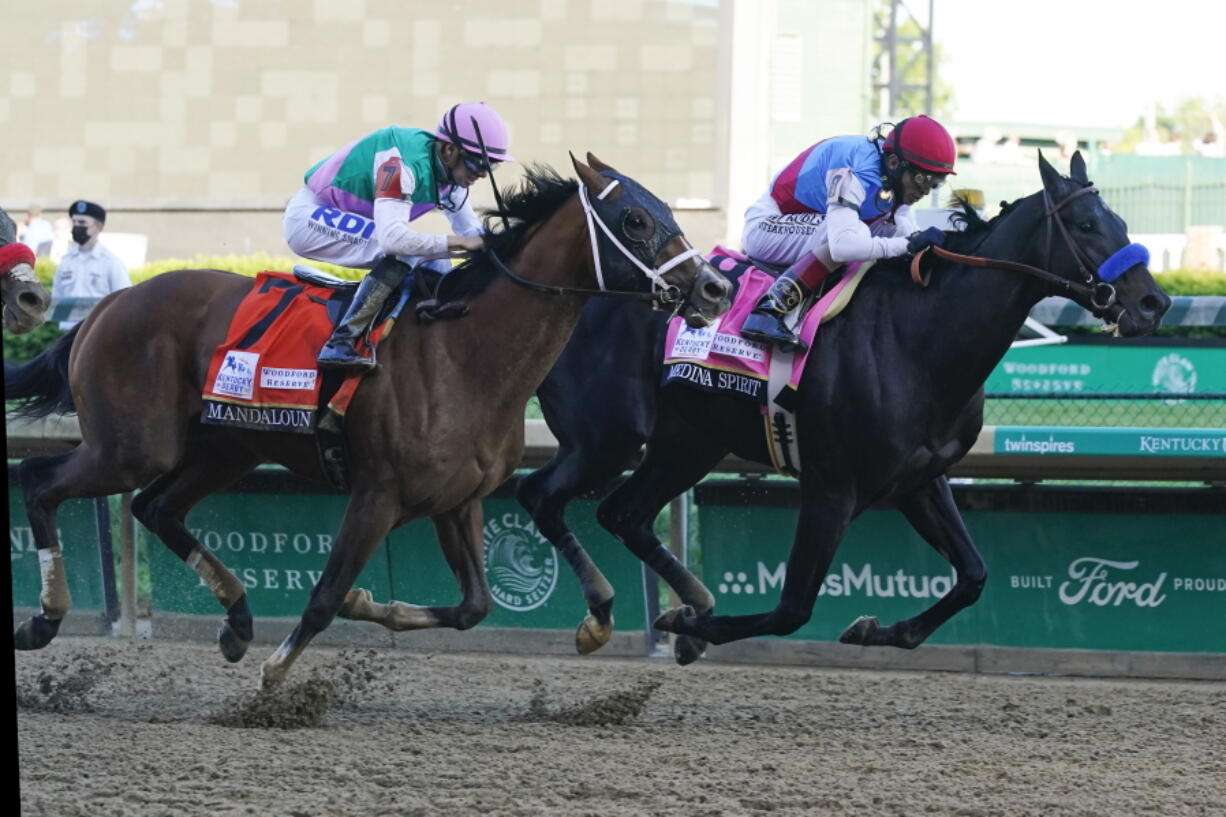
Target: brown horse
22,296
437,427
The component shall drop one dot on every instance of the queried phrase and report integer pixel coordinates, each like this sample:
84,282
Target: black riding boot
339,352
765,324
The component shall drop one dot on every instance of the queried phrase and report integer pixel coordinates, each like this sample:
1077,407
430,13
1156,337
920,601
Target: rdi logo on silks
520,564
237,375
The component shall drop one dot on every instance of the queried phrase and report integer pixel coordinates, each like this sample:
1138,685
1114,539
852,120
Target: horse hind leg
933,514
46,483
459,534
163,506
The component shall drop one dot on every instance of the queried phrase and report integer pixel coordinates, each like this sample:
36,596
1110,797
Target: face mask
80,234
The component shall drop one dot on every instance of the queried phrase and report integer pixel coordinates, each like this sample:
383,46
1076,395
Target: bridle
1093,289
663,296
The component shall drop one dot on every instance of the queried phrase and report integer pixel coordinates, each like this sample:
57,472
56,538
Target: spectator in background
985,150
89,270
36,232
1213,143
1066,141
1010,151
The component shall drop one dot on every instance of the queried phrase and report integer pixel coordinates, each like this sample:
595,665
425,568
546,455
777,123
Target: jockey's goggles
930,180
476,163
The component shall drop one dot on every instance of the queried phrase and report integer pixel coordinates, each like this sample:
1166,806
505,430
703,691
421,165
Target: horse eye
1086,226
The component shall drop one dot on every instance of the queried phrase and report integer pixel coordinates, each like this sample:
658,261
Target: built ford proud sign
1067,569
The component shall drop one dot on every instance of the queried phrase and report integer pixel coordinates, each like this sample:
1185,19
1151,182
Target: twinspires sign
1090,441
1059,580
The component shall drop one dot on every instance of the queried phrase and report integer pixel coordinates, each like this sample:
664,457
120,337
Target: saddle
425,281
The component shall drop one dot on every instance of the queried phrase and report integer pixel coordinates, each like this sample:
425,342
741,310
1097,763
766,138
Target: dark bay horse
890,398
22,296
437,427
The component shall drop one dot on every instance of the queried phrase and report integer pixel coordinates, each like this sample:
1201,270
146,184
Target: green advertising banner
531,585
1132,442
277,545
1091,368
1056,580
78,531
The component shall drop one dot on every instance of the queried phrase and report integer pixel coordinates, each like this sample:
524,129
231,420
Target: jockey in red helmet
845,199
357,205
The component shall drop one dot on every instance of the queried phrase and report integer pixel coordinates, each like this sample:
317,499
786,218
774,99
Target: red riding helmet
923,142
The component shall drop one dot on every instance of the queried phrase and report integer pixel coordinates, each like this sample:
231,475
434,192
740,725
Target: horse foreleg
934,515
459,535
546,493
368,518
677,457
46,482
823,518
163,506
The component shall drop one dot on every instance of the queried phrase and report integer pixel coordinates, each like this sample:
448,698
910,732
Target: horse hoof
860,631
669,620
36,632
687,649
356,604
592,635
232,647
271,676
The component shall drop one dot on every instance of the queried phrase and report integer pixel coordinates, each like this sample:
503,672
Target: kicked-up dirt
108,727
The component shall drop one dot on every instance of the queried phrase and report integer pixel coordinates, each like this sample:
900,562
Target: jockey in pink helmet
358,204
844,199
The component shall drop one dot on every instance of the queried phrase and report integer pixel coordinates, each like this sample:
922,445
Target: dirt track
154,728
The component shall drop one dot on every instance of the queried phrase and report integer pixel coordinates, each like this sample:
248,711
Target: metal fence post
127,568
1187,195
106,553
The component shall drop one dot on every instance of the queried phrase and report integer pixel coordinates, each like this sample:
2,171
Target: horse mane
972,230
528,202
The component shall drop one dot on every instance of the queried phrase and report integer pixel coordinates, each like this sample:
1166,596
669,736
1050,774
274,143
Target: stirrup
343,358
777,335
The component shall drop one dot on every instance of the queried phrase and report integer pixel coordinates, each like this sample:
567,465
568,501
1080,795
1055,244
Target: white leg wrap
226,587
55,599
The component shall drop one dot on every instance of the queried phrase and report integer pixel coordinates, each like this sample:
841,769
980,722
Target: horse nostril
1154,305
29,300
714,290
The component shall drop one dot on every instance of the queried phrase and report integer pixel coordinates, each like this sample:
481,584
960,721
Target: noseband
1095,289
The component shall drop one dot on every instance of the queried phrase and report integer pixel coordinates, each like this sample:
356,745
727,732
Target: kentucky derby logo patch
520,563
237,375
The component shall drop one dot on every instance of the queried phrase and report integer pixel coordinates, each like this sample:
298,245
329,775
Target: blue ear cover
1122,260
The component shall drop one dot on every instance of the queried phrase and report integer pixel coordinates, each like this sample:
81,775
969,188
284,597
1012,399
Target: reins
1101,295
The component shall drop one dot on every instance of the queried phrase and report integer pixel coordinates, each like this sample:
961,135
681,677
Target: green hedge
18,349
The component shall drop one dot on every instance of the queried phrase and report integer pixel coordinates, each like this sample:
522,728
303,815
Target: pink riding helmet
457,128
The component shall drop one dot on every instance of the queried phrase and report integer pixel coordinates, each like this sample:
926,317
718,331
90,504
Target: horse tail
42,384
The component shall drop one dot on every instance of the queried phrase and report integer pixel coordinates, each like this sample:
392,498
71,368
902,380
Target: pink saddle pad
716,358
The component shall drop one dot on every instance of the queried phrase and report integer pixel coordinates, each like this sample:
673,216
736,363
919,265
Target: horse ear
1051,176
591,179
598,165
1077,169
